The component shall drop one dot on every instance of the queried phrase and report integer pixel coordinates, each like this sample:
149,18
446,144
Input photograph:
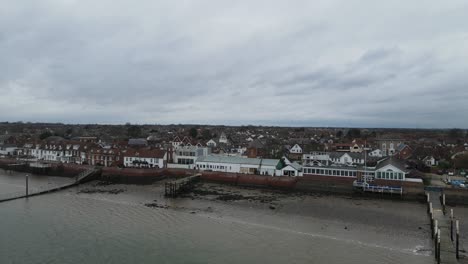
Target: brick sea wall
141,176
250,180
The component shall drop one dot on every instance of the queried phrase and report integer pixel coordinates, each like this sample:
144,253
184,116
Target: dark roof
4,137
145,153
256,144
400,147
138,142
54,138
391,161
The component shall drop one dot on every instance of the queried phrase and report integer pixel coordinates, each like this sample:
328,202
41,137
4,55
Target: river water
78,226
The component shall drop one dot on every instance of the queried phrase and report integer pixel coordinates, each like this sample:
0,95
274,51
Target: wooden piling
451,224
432,226
443,203
438,247
457,244
27,185
436,250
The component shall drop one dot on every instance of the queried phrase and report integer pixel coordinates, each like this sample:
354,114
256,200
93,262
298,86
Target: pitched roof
238,160
145,153
400,147
137,141
391,161
296,166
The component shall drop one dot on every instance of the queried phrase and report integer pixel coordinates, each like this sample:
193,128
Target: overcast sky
299,63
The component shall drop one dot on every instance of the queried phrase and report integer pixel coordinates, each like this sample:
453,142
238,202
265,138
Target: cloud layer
307,63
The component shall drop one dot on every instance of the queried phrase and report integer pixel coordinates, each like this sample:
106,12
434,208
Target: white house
296,149
145,158
316,158
389,146
430,161
292,169
330,158
223,139
8,150
211,143
377,153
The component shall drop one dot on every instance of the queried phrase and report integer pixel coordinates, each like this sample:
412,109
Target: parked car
451,173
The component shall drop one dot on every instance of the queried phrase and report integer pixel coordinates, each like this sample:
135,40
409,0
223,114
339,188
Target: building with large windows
386,169
272,167
188,155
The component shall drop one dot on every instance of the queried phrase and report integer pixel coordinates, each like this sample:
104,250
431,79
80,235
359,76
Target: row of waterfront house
198,156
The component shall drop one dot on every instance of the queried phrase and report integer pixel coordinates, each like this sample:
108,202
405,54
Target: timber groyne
84,176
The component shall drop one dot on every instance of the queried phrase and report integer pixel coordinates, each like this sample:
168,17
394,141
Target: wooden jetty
445,229
174,188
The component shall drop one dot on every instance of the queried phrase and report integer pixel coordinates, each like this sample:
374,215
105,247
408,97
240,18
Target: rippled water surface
71,227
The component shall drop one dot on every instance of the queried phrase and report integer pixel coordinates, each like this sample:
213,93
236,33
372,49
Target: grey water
71,227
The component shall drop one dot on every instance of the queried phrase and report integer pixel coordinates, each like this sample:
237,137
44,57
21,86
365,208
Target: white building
271,167
223,139
430,161
145,158
329,158
316,159
296,149
186,156
292,169
376,153
349,158
238,165
8,150
389,146
387,169
211,143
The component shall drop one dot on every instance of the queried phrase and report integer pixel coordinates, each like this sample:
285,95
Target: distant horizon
230,125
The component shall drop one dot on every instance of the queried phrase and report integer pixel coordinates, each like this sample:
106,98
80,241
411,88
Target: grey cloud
310,63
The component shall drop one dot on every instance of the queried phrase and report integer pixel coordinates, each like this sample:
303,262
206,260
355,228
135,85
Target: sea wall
307,183
317,183
141,176
250,180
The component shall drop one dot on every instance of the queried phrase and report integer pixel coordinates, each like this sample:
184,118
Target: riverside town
234,132
402,164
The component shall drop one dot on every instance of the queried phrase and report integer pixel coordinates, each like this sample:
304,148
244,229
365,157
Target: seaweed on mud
156,205
112,191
